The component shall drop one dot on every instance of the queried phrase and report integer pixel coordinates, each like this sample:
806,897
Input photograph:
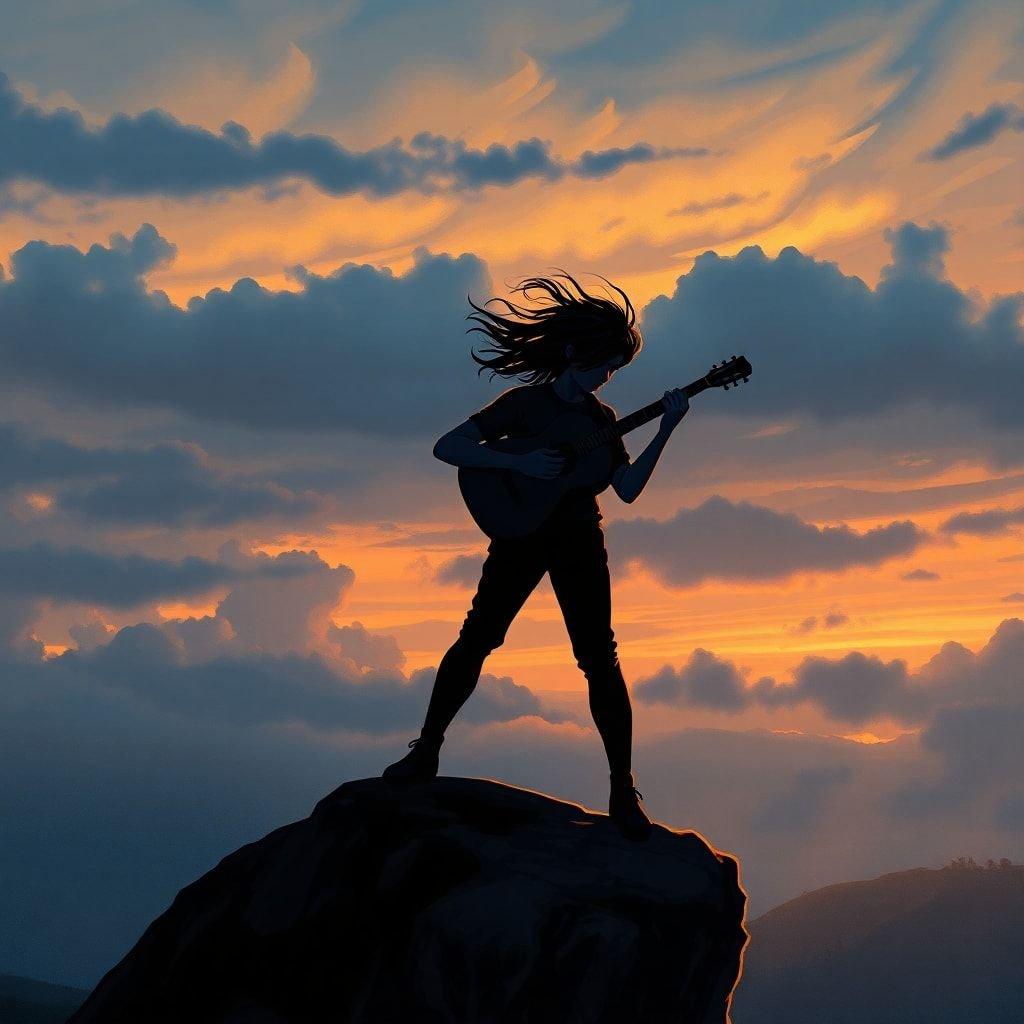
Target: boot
624,808
419,765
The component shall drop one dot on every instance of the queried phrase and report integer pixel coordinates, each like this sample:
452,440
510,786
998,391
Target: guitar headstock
732,371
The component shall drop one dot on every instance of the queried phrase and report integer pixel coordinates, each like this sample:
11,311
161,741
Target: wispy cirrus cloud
976,130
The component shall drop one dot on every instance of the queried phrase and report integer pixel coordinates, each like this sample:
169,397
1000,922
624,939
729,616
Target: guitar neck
633,420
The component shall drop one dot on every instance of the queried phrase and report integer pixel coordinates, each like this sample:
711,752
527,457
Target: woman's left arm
630,480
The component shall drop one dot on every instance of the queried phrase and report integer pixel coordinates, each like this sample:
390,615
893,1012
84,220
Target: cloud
830,620
975,130
854,689
979,751
278,615
802,805
805,626
76,573
1015,596
100,853
271,654
367,650
720,539
460,571
153,153
705,681
604,162
22,203
827,347
981,524
337,355
170,484
920,576
857,688
837,502
726,202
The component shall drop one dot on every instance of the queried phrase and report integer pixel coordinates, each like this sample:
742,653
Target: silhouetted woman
564,348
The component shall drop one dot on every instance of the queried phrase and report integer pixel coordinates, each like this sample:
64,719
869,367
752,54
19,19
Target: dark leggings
575,556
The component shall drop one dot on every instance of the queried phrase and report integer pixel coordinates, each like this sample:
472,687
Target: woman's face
597,376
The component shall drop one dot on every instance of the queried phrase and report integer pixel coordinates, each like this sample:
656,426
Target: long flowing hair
530,342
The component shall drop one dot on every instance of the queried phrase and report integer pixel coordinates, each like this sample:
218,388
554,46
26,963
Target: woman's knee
479,637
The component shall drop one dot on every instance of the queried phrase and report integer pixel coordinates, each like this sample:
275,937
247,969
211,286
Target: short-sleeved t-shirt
527,410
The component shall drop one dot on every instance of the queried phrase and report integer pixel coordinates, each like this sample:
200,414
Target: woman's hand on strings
544,463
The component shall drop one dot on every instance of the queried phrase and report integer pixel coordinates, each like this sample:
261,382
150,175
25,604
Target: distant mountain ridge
27,1001
942,946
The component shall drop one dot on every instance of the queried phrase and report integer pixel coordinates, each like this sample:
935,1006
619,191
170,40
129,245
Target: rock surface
456,900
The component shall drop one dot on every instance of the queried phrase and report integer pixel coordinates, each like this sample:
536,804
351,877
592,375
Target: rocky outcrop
456,900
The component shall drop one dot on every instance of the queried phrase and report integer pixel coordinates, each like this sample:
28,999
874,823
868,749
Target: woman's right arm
461,447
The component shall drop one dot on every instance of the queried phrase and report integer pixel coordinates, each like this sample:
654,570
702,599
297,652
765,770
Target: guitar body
505,503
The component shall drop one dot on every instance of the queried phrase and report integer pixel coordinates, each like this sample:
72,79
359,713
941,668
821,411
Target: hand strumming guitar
544,463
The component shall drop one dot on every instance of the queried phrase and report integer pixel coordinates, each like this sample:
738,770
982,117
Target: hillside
944,946
26,1001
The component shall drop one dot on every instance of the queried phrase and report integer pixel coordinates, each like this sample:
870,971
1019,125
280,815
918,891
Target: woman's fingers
553,459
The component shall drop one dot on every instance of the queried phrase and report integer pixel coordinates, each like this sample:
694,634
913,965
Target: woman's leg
578,564
511,571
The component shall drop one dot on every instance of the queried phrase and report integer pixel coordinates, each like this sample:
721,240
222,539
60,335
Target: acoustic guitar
505,503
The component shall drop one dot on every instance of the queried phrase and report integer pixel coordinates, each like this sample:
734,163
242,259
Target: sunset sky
237,239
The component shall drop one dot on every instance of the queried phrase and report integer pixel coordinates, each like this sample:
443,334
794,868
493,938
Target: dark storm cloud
153,153
170,484
826,346
720,539
981,524
976,130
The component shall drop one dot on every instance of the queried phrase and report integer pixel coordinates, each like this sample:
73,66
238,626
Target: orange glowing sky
815,143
